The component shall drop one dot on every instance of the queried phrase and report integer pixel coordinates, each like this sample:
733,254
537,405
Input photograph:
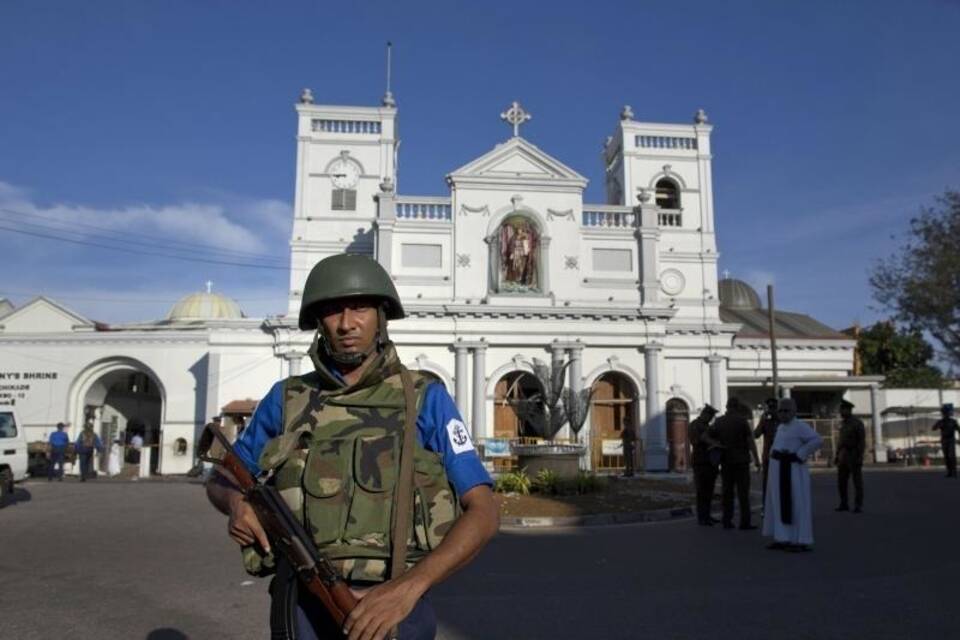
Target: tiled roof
787,325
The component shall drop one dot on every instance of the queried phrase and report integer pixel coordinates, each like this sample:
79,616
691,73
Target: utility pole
773,342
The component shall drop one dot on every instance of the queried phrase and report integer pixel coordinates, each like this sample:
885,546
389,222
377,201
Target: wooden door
611,420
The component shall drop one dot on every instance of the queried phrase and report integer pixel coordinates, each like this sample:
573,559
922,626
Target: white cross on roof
516,116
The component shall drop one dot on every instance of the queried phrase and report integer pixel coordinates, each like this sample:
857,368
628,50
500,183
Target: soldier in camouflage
330,442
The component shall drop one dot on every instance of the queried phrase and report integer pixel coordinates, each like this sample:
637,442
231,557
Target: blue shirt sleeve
440,429
266,424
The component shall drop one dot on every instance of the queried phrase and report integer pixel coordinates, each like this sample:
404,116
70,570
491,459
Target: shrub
547,481
582,483
513,482
590,482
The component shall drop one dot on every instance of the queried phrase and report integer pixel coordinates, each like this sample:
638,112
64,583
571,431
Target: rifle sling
403,509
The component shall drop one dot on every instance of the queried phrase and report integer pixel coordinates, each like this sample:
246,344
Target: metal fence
829,429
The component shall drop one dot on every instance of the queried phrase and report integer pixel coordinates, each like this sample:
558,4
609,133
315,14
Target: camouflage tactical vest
336,466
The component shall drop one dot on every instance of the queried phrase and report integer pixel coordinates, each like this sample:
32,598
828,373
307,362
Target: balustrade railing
669,219
609,218
612,217
345,126
666,142
439,210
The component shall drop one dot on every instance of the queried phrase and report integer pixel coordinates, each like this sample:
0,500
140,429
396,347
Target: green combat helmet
347,276
341,277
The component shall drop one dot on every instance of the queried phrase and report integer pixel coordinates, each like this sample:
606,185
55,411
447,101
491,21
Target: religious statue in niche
519,246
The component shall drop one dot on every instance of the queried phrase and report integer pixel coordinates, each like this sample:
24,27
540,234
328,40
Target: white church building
512,265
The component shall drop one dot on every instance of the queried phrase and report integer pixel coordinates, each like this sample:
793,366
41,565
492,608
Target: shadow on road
166,633
19,495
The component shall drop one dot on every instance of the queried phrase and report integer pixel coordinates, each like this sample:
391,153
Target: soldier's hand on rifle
380,609
244,527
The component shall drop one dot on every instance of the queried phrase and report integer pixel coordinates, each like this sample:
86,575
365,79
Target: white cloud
128,272
236,223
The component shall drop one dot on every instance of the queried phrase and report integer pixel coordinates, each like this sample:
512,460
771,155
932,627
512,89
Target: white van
13,452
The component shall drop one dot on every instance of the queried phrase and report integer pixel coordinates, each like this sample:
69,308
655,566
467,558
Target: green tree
920,283
902,356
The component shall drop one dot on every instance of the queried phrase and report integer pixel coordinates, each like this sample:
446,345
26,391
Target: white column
879,448
461,390
556,354
385,223
294,362
716,383
477,424
576,384
146,456
648,236
704,170
213,385
786,388
576,367
655,431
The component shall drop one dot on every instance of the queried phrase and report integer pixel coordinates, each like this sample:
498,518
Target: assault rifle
287,536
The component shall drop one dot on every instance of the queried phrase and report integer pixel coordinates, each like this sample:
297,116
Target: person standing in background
734,433
59,440
851,444
948,429
87,443
701,437
788,512
767,428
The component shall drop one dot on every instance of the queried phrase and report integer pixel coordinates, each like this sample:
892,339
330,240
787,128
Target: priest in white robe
787,512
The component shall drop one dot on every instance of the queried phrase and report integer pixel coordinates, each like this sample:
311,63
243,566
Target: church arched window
515,256
668,194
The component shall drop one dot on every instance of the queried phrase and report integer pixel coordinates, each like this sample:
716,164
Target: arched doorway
678,417
516,385
123,401
613,422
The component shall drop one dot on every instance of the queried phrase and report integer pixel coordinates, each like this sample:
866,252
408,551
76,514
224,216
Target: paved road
151,561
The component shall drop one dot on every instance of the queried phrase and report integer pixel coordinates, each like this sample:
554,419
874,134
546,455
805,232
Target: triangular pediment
517,161
42,315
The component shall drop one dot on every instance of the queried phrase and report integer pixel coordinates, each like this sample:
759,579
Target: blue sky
171,126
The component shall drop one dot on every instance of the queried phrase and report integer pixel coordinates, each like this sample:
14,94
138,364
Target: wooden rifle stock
286,534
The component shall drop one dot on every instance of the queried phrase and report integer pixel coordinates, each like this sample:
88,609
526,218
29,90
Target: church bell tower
344,153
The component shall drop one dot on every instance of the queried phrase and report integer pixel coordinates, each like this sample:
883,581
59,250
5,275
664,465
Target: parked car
13,453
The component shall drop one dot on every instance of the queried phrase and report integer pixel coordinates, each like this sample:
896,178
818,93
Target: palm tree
547,411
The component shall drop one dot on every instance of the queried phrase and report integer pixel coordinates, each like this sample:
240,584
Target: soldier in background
851,444
705,459
734,433
767,427
948,429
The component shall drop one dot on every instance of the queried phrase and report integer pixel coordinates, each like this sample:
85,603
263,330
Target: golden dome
205,305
